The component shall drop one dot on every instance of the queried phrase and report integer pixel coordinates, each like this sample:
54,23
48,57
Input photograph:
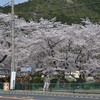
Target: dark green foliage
1,9
65,12
36,78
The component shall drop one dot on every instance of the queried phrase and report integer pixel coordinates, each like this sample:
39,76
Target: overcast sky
3,2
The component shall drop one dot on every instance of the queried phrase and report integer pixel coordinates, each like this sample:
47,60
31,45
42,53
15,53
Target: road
40,97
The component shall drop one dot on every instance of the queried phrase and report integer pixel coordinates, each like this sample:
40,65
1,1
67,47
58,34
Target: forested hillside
64,11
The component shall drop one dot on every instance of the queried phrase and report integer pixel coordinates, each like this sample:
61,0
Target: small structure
97,77
75,74
90,80
69,1
4,73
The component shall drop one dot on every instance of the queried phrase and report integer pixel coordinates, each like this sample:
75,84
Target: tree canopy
51,46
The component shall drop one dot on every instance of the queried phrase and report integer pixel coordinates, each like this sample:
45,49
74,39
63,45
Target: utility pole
13,73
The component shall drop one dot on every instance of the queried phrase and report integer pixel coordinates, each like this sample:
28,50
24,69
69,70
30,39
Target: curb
97,96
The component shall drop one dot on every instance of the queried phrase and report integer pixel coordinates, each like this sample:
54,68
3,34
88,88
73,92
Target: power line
72,7
6,4
91,4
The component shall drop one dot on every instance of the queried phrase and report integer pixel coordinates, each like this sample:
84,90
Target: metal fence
1,85
55,86
58,86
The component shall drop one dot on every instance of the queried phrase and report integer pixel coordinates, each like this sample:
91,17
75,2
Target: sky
3,2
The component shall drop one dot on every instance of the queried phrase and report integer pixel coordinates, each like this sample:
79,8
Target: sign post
13,79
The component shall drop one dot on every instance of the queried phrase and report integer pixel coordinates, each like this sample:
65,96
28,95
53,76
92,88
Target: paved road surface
40,97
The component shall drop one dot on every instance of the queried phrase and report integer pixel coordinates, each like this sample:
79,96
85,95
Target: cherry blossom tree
51,46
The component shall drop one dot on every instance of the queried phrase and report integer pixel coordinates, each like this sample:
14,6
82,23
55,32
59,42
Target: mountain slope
61,9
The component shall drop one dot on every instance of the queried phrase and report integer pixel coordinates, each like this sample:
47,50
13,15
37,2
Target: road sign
25,69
